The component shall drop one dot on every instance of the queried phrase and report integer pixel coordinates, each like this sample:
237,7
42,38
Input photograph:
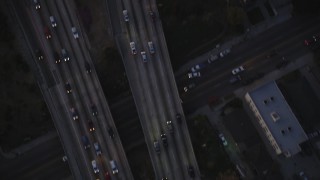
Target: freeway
215,81
73,91
153,89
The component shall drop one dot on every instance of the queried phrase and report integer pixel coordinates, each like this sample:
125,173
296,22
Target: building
280,125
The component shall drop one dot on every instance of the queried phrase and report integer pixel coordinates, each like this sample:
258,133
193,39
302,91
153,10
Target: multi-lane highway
153,87
72,90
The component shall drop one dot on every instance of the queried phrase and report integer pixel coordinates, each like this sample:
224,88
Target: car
39,54
151,47
75,115
311,42
107,176
164,178
156,146
179,118
65,55
64,158
111,132
95,167
91,127
85,142
47,32
97,148
190,86
303,175
194,74
133,48
53,21
213,58
57,57
197,67
143,56
164,140
224,53
87,67
94,110
75,32
68,87
223,139
125,15
114,167
37,4
170,127
237,70
191,171
235,79
152,15
282,64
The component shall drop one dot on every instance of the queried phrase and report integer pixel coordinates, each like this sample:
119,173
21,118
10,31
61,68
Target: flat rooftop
278,116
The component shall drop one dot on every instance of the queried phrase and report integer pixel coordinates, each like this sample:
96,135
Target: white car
114,167
223,139
125,15
143,56
151,47
194,74
53,21
75,32
133,48
237,70
37,4
95,167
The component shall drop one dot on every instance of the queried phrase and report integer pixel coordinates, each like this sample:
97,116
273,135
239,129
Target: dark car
57,57
65,55
68,87
111,132
164,140
170,127
156,146
91,127
152,15
87,67
85,142
94,110
47,32
74,113
235,79
191,171
39,54
37,4
178,117
107,176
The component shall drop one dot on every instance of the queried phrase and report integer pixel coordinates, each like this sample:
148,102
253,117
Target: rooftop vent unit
272,98
283,132
275,116
289,128
265,101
